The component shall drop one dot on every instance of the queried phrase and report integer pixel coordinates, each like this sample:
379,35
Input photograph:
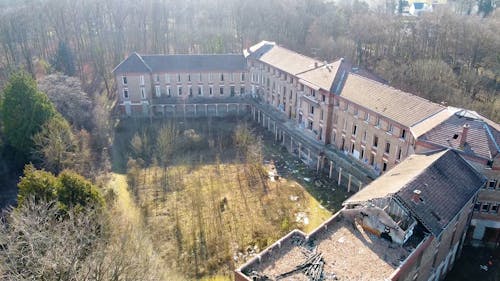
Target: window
375,141
367,117
222,77
211,90
403,133
125,93
242,76
399,154
189,77
141,80
492,184
190,91
200,91
354,129
494,209
310,125
179,91
157,78
169,93
485,207
390,128
157,91
477,206
311,109
167,78
233,92
124,80
387,147
377,122
362,154
364,136
143,93
221,90
323,98
179,77
321,114
384,167
242,90
313,93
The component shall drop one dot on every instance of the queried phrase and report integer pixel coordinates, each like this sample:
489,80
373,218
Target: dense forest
449,55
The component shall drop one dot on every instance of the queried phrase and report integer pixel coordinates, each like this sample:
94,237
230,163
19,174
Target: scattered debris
301,217
312,268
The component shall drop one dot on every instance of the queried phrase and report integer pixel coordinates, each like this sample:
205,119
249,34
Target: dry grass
213,216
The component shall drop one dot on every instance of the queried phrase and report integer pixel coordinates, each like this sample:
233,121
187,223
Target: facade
403,226
146,84
336,118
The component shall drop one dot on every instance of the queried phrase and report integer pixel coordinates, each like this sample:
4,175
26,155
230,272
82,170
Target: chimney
416,196
463,137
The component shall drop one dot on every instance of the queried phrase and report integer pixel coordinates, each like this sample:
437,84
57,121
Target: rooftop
482,140
282,58
136,63
445,181
347,251
402,107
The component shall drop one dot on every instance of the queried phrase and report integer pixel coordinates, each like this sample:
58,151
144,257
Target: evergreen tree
24,111
64,60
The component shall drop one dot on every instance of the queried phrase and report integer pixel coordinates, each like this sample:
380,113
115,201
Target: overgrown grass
210,209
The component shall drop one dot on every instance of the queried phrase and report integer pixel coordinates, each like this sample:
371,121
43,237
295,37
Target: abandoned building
408,224
337,119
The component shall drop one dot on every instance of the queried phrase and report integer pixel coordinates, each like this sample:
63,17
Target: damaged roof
446,182
136,63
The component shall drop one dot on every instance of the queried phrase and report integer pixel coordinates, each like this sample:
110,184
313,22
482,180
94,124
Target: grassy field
210,209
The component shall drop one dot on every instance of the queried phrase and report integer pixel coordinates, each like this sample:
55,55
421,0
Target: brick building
336,118
409,224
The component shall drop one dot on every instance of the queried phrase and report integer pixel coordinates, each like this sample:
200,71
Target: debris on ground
301,217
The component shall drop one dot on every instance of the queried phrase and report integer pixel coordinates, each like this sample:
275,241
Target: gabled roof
282,58
446,182
134,63
182,63
322,76
399,106
483,137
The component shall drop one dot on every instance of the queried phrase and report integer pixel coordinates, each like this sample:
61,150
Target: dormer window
124,80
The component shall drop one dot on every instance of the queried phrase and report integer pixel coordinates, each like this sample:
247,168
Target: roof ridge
142,60
291,51
203,54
